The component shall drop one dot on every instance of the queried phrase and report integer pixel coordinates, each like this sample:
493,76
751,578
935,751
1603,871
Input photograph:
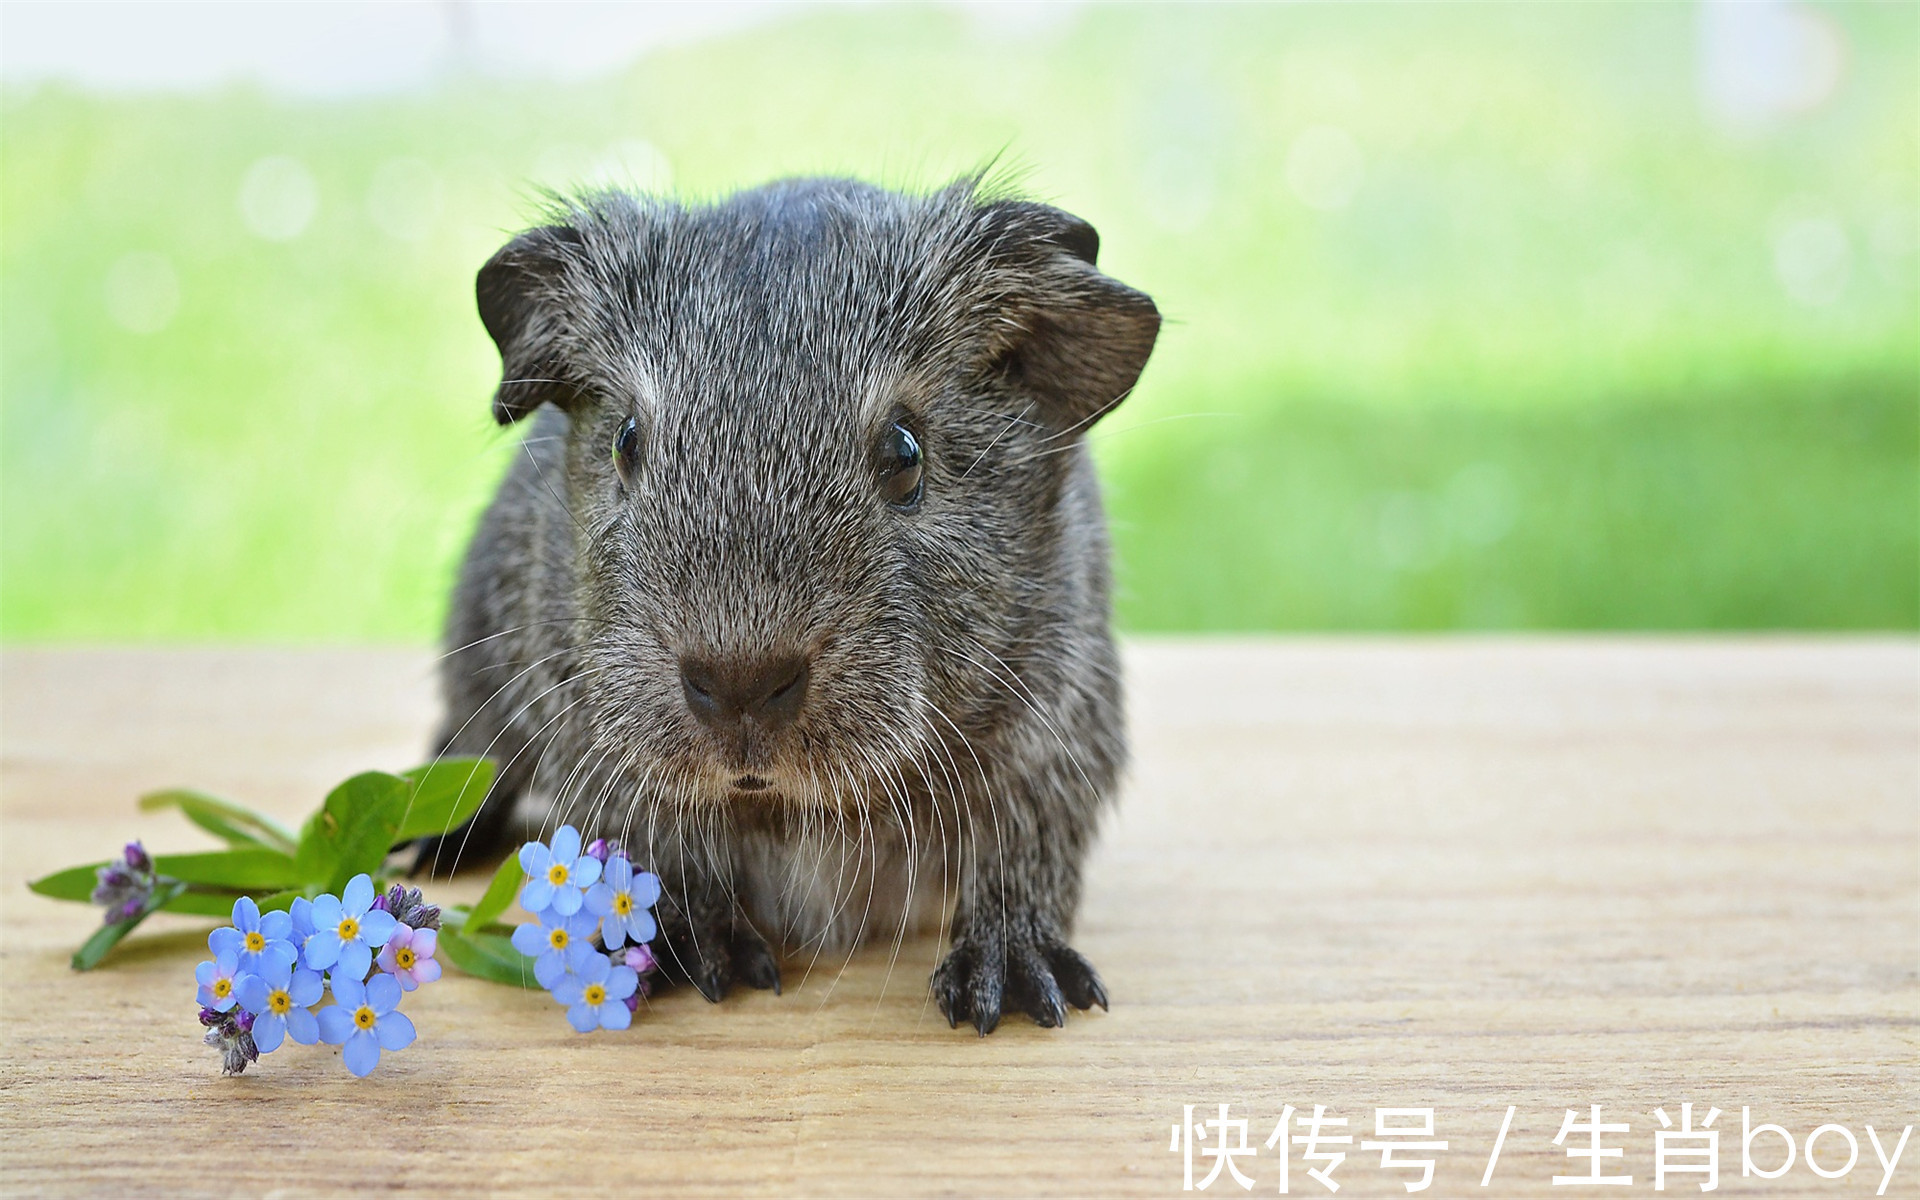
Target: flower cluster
270,970
594,921
125,885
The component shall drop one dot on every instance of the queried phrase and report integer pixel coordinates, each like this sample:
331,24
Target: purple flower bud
633,1002
600,848
409,907
124,885
640,958
244,1019
211,1017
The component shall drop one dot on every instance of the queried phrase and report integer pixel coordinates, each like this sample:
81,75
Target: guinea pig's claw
1039,976
1079,982
1033,989
947,994
711,983
986,984
753,961
723,950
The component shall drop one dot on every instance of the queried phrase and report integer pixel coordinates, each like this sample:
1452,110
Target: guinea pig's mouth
750,783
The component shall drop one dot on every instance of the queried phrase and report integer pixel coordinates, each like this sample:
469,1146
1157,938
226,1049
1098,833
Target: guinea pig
798,586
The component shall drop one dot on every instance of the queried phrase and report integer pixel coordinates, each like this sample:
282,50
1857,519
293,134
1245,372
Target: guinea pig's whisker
831,828
546,747
590,765
521,628
970,844
912,877
482,707
1103,435
997,415
632,805
871,842
562,505
1025,695
501,770
846,877
1004,431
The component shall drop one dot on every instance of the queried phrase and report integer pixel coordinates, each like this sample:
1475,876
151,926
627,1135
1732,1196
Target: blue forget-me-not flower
621,900
255,938
279,998
362,1021
595,993
551,941
347,931
216,980
558,874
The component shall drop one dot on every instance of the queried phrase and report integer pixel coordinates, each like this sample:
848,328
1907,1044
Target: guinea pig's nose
722,691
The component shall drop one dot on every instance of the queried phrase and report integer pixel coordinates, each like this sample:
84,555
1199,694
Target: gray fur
962,723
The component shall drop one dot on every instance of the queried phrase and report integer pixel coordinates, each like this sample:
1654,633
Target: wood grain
1463,874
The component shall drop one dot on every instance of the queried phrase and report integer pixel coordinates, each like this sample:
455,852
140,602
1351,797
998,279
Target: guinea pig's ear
1085,336
516,294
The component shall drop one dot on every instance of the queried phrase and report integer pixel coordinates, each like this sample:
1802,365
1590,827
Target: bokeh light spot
1324,167
278,198
404,199
142,292
1812,259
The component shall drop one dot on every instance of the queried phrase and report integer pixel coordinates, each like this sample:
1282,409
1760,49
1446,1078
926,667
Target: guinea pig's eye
626,450
900,468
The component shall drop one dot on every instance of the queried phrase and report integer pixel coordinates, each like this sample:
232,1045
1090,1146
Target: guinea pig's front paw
1038,974
712,949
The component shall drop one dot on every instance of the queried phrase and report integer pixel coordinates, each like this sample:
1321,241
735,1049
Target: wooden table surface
1457,874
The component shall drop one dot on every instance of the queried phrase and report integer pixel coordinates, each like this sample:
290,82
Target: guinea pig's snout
728,693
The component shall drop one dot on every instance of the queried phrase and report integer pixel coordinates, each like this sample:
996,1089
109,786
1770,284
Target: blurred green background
1480,317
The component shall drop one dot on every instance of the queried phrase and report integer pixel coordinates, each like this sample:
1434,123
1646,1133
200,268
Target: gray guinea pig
798,586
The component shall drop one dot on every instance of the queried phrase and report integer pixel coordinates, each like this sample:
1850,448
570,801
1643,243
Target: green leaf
74,883
352,832
281,901
223,818
245,869
203,903
108,936
500,893
445,794
488,956
317,854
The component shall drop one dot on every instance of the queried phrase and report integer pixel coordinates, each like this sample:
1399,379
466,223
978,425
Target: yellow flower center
623,903
557,938
256,941
279,1002
349,929
363,1017
223,988
596,995
404,958
557,874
